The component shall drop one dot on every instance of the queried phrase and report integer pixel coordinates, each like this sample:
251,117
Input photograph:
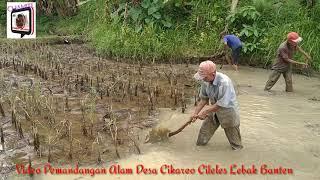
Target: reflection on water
278,129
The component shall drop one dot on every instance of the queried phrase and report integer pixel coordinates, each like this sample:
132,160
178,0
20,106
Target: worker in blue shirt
234,43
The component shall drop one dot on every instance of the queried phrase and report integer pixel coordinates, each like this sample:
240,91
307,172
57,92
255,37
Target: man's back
233,41
284,52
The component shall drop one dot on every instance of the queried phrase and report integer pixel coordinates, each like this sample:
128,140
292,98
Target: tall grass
199,34
196,37
283,17
3,18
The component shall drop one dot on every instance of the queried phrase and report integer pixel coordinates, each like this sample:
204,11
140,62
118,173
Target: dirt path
278,129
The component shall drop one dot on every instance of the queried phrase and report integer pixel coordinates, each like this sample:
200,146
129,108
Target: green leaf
122,14
233,19
115,18
191,3
135,13
245,14
121,6
246,32
114,14
245,49
214,18
152,10
156,15
146,4
255,32
166,24
253,16
151,24
138,28
148,20
241,33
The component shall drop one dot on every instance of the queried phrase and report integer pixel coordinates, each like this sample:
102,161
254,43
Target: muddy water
277,128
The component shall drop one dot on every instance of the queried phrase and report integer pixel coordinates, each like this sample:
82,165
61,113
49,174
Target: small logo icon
21,20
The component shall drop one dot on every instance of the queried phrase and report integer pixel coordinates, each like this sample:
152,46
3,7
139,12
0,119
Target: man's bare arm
199,107
304,53
225,45
211,108
294,62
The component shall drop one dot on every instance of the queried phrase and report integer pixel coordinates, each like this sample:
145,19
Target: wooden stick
181,128
1,110
2,134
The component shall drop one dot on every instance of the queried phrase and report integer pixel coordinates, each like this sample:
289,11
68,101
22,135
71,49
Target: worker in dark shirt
234,43
284,61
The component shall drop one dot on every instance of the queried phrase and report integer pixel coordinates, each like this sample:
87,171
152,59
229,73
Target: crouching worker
234,43
223,110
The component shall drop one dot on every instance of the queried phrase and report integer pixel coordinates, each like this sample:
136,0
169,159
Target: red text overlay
165,169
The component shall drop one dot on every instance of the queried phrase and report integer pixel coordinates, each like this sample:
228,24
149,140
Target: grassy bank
3,19
174,31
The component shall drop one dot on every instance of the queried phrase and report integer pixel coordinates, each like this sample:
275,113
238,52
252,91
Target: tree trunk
234,4
311,3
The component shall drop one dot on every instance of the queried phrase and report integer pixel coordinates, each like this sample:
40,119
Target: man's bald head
206,68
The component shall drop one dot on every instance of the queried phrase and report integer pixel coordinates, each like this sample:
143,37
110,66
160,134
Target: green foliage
308,3
150,44
263,6
244,15
208,16
179,10
122,38
3,18
251,35
149,13
314,14
3,11
78,24
245,21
